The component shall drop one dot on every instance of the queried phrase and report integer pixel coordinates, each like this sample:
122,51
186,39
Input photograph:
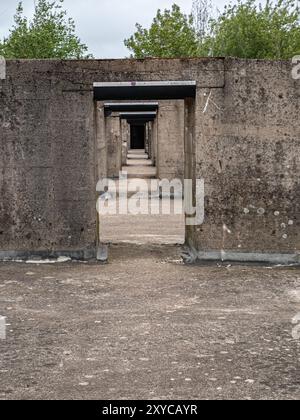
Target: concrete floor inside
142,229
147,326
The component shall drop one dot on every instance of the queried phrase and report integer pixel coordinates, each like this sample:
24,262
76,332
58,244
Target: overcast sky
102,24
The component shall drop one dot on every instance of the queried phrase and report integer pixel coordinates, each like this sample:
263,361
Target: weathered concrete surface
243,138
47,162
101,142
114,145
248,152
48,146
170,140
154,141
146,326
125,136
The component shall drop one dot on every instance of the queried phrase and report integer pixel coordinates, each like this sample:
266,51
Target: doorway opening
137,137
148,153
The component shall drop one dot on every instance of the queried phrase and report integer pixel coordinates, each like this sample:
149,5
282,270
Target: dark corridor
137,139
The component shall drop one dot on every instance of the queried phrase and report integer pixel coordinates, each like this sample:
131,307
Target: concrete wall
248,152
245,143
170,140
47,162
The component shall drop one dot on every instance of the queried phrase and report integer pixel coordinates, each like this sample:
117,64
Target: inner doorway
137,137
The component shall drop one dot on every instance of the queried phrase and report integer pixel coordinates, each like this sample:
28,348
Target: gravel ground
145,326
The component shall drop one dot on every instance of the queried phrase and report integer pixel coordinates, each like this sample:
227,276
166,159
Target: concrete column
147,138
129,137
154,141
101,143
150,139
124,138
170,141
190,159
114,145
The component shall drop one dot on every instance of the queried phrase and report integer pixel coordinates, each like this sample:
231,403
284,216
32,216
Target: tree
248,30
50,34
171,35
202,12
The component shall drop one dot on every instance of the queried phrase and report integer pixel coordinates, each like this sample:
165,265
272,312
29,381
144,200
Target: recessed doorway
147,136
137,136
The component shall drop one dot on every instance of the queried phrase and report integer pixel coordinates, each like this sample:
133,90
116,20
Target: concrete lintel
144,90
139,121
145,84
130,104
136,115
109,108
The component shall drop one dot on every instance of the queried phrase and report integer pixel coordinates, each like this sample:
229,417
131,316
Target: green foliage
248,30
50,34
202,11
171,35
245,29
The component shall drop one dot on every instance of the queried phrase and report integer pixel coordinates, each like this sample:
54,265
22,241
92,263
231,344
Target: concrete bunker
241,137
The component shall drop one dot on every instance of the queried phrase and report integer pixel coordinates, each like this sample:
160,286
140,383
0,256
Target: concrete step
140,171
139,162
138,157
136,152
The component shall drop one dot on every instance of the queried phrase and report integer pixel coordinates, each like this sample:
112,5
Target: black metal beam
139,121
130,107
138,115
144,90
